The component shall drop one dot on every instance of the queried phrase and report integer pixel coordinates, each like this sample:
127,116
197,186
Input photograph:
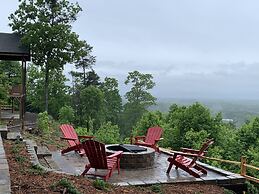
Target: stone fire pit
133,156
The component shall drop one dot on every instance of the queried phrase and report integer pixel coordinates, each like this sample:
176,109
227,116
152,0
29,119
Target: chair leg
169,167
199,168
118,165
87,168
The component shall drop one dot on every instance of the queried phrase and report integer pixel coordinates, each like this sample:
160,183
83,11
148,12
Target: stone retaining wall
5,184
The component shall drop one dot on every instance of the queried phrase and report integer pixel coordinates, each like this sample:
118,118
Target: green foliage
112,100
37,170
108,133
66,115
156,188
195,139
139,94
57,90
43,122
252,188
138,100
92,103
65,184
84,131
195,118
84,62
20,159
10,75
45,26
149,119
101,185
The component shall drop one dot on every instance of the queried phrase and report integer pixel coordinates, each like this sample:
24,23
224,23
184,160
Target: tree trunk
46,87
84,76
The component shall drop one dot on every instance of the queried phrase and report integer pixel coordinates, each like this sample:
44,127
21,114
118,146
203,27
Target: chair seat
182,160
144,144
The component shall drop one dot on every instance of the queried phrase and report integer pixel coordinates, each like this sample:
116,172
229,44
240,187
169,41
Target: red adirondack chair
96,154
179,159
151,139
73,139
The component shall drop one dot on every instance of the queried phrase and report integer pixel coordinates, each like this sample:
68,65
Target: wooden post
23,98
243,167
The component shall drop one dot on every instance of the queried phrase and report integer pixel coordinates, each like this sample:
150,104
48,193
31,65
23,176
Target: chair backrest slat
69,132
153,133
201,151
96,154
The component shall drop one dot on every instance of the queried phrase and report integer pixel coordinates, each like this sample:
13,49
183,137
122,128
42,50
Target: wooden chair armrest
67,138
116,154
184,154
85,137
140,137
157,140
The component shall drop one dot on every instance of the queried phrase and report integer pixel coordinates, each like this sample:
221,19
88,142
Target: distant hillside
238,110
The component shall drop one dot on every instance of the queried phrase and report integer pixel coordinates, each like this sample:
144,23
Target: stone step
14,136
49,163
43,151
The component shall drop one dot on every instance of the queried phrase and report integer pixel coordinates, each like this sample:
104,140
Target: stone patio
72,163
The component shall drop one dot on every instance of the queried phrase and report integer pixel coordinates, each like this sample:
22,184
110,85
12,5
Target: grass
36,170
66,184
101,185
156,188
20,159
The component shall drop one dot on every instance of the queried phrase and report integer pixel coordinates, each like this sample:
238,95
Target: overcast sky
194,49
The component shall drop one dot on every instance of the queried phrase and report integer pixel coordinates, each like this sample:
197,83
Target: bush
101,185
108,133
43,122
65,184
84,131
66,115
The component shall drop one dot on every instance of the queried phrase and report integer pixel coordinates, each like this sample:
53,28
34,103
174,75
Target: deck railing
243,165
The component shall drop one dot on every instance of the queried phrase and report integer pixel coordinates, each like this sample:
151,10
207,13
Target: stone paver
5,184
73,163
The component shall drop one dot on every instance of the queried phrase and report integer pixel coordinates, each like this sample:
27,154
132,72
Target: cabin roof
12,49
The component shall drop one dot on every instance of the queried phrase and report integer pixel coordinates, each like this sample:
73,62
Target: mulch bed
28,179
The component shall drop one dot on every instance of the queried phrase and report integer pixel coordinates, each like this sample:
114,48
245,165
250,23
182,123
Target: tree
108,133
10,75
58,91
112,99
12,70
139,99
85,61
139,94
191,120
45,26
91,103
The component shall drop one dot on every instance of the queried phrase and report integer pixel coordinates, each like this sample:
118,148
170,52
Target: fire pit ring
133,156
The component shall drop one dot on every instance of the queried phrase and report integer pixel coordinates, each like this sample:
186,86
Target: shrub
65,184
36,170
108,133
66,115
83,131
43,122
101,185
156,188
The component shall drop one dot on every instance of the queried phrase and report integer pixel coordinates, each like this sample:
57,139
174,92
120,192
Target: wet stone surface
74,164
